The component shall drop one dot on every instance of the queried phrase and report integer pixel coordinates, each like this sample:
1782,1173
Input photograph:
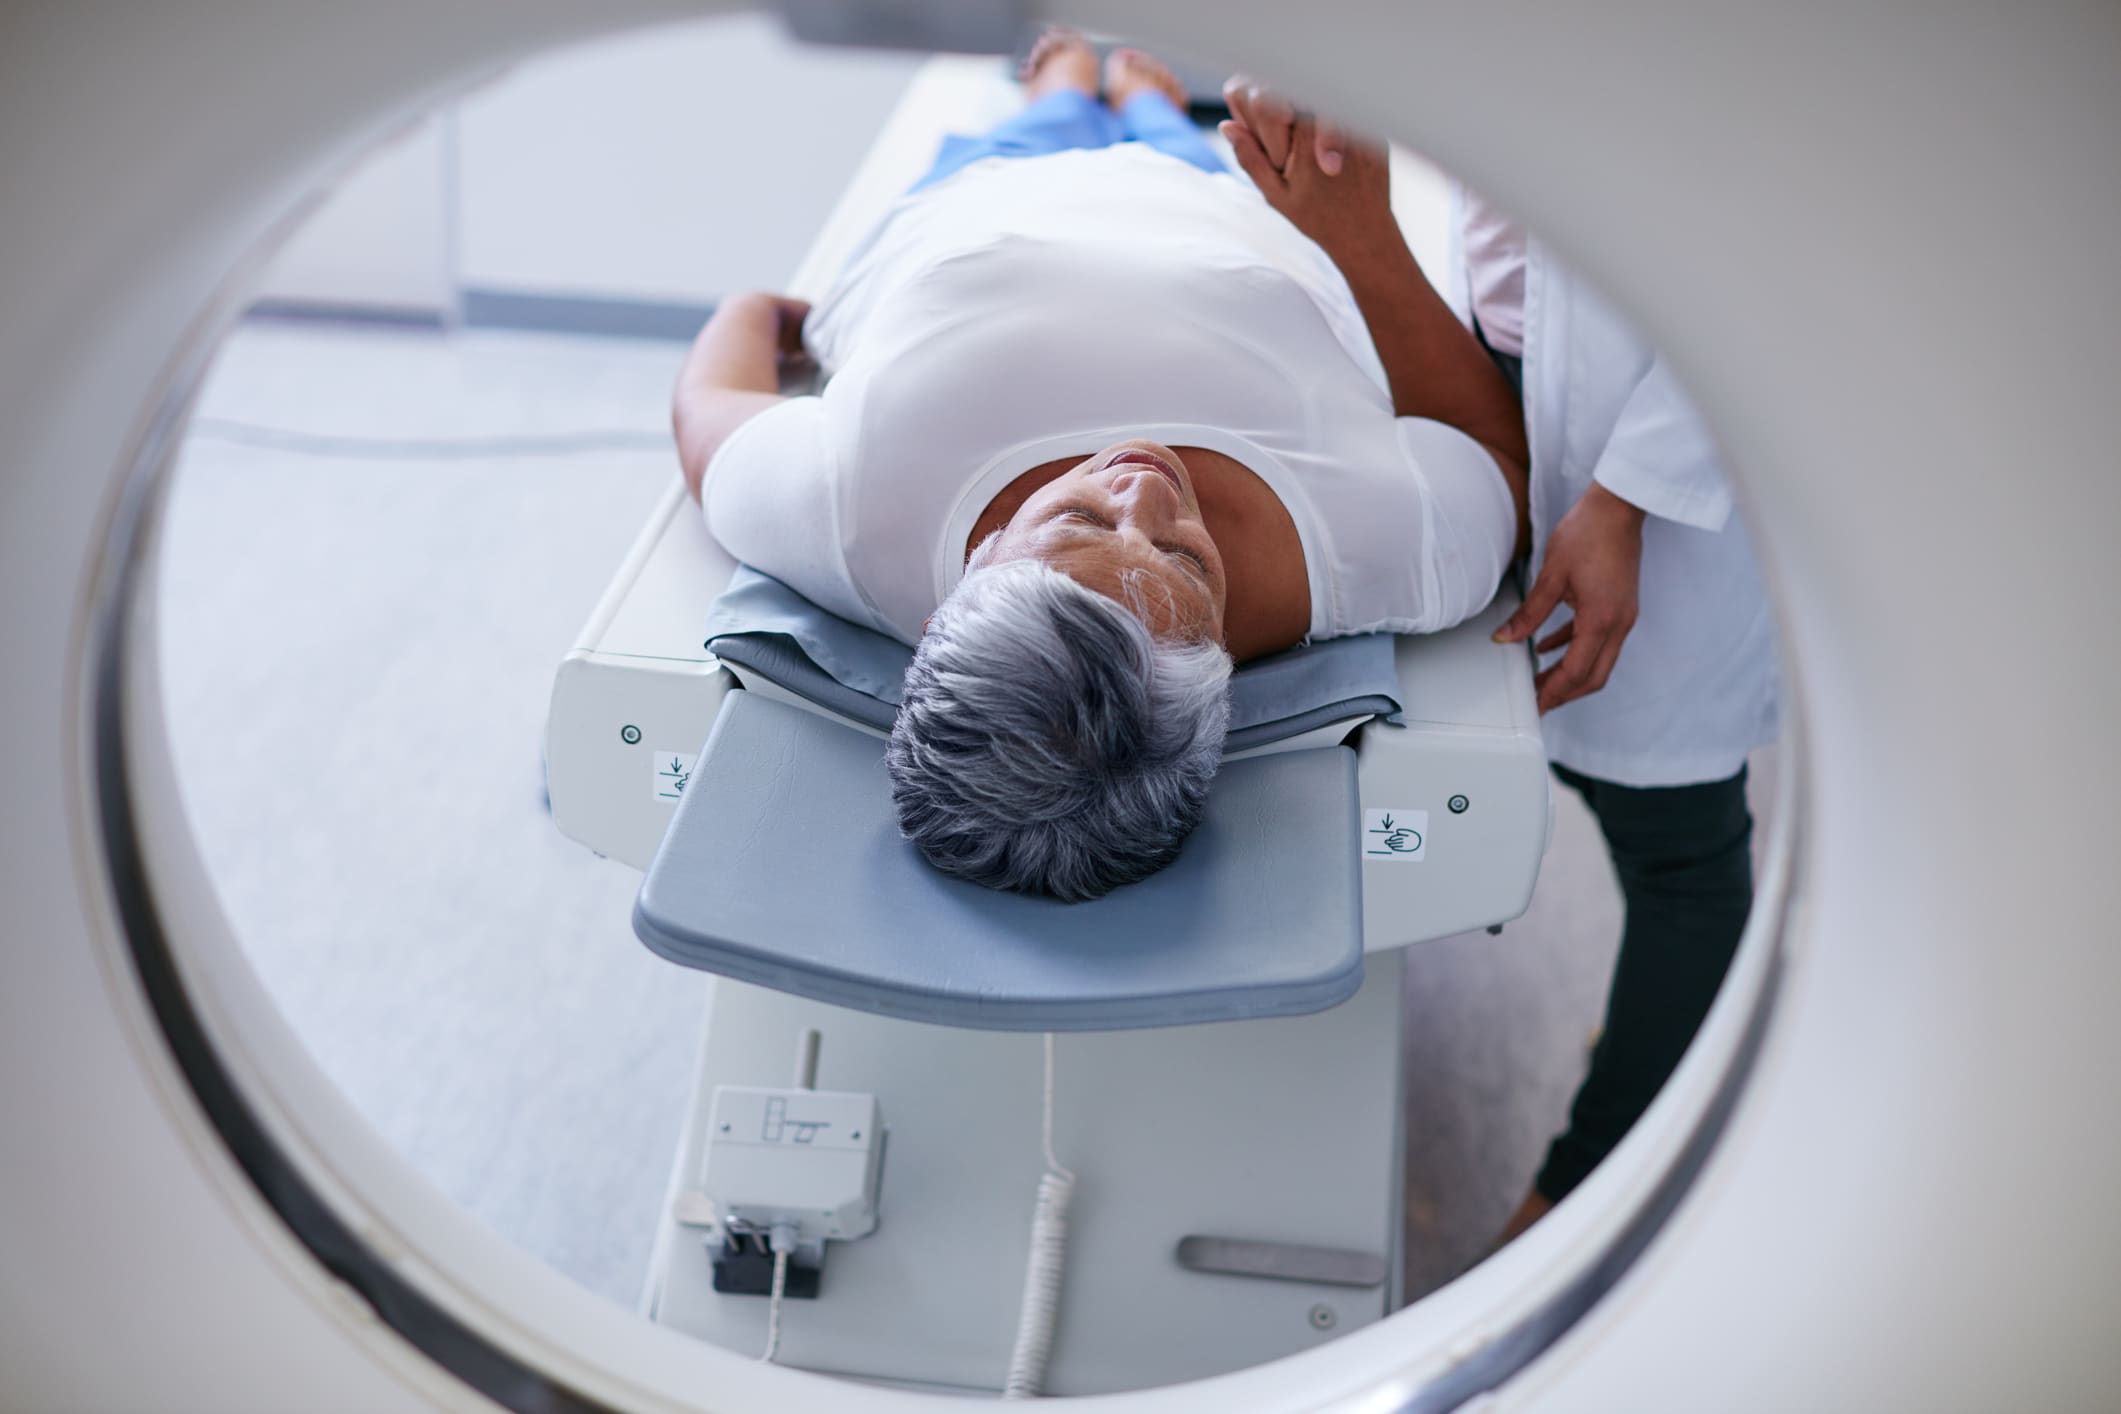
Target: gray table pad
783,867
762,625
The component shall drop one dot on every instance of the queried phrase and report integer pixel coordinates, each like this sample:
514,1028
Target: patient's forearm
731,375
1436,368
739,349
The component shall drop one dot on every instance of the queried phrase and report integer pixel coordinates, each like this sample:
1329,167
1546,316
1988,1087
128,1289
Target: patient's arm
1437,369
732,374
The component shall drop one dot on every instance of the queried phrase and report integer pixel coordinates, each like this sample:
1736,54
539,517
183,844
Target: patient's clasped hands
1334,188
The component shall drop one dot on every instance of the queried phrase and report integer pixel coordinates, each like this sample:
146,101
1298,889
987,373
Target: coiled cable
1039,1314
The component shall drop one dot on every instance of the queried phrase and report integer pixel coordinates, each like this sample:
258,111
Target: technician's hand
1594,565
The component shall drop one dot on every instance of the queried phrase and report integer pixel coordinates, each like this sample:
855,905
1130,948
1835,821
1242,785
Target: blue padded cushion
783,866
763,626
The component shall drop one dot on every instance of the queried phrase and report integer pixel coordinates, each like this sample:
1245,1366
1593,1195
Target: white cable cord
1052,1164
783,1236
782,1241
773,1308
1040,1311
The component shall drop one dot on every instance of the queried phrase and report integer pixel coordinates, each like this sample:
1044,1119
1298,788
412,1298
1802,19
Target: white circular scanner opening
372,558
398,498
297,1252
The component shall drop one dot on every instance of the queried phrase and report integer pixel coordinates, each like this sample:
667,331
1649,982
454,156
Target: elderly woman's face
1126,523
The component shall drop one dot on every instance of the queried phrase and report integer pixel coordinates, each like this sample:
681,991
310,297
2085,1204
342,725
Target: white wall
670,166
673,165
380,240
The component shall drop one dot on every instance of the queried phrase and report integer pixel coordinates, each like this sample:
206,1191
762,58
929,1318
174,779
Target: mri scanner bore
1246,1181
1875,1181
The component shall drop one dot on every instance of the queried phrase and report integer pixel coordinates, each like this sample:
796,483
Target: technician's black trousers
1686,877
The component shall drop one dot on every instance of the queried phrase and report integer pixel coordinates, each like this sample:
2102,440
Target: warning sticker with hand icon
1399,835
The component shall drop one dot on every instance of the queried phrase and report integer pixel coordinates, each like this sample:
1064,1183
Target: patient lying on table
1101,420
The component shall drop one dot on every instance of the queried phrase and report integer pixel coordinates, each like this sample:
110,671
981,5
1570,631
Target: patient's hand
1271,117
1334,188
1347,213
789,314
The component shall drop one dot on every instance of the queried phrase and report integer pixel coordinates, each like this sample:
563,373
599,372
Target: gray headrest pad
783,866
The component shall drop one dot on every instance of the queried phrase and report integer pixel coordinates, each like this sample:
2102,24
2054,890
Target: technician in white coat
1658,671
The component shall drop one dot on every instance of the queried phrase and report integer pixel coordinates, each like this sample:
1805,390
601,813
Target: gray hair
1047,742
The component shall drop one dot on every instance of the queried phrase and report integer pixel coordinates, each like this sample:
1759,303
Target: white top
1697,685
1029,309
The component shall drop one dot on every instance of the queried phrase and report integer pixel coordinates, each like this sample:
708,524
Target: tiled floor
364,598
358,647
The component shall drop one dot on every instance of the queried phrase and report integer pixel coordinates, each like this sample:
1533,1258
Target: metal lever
1281,1261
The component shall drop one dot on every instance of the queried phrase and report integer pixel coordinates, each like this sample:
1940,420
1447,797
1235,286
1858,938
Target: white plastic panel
1469,768
1275,1131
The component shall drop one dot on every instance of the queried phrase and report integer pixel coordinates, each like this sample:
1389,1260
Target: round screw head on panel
630,734
1324,1317
1458,804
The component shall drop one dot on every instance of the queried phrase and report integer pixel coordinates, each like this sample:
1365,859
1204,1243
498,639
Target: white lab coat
1697,684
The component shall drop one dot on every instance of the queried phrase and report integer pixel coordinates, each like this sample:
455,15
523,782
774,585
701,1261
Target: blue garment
1068,119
